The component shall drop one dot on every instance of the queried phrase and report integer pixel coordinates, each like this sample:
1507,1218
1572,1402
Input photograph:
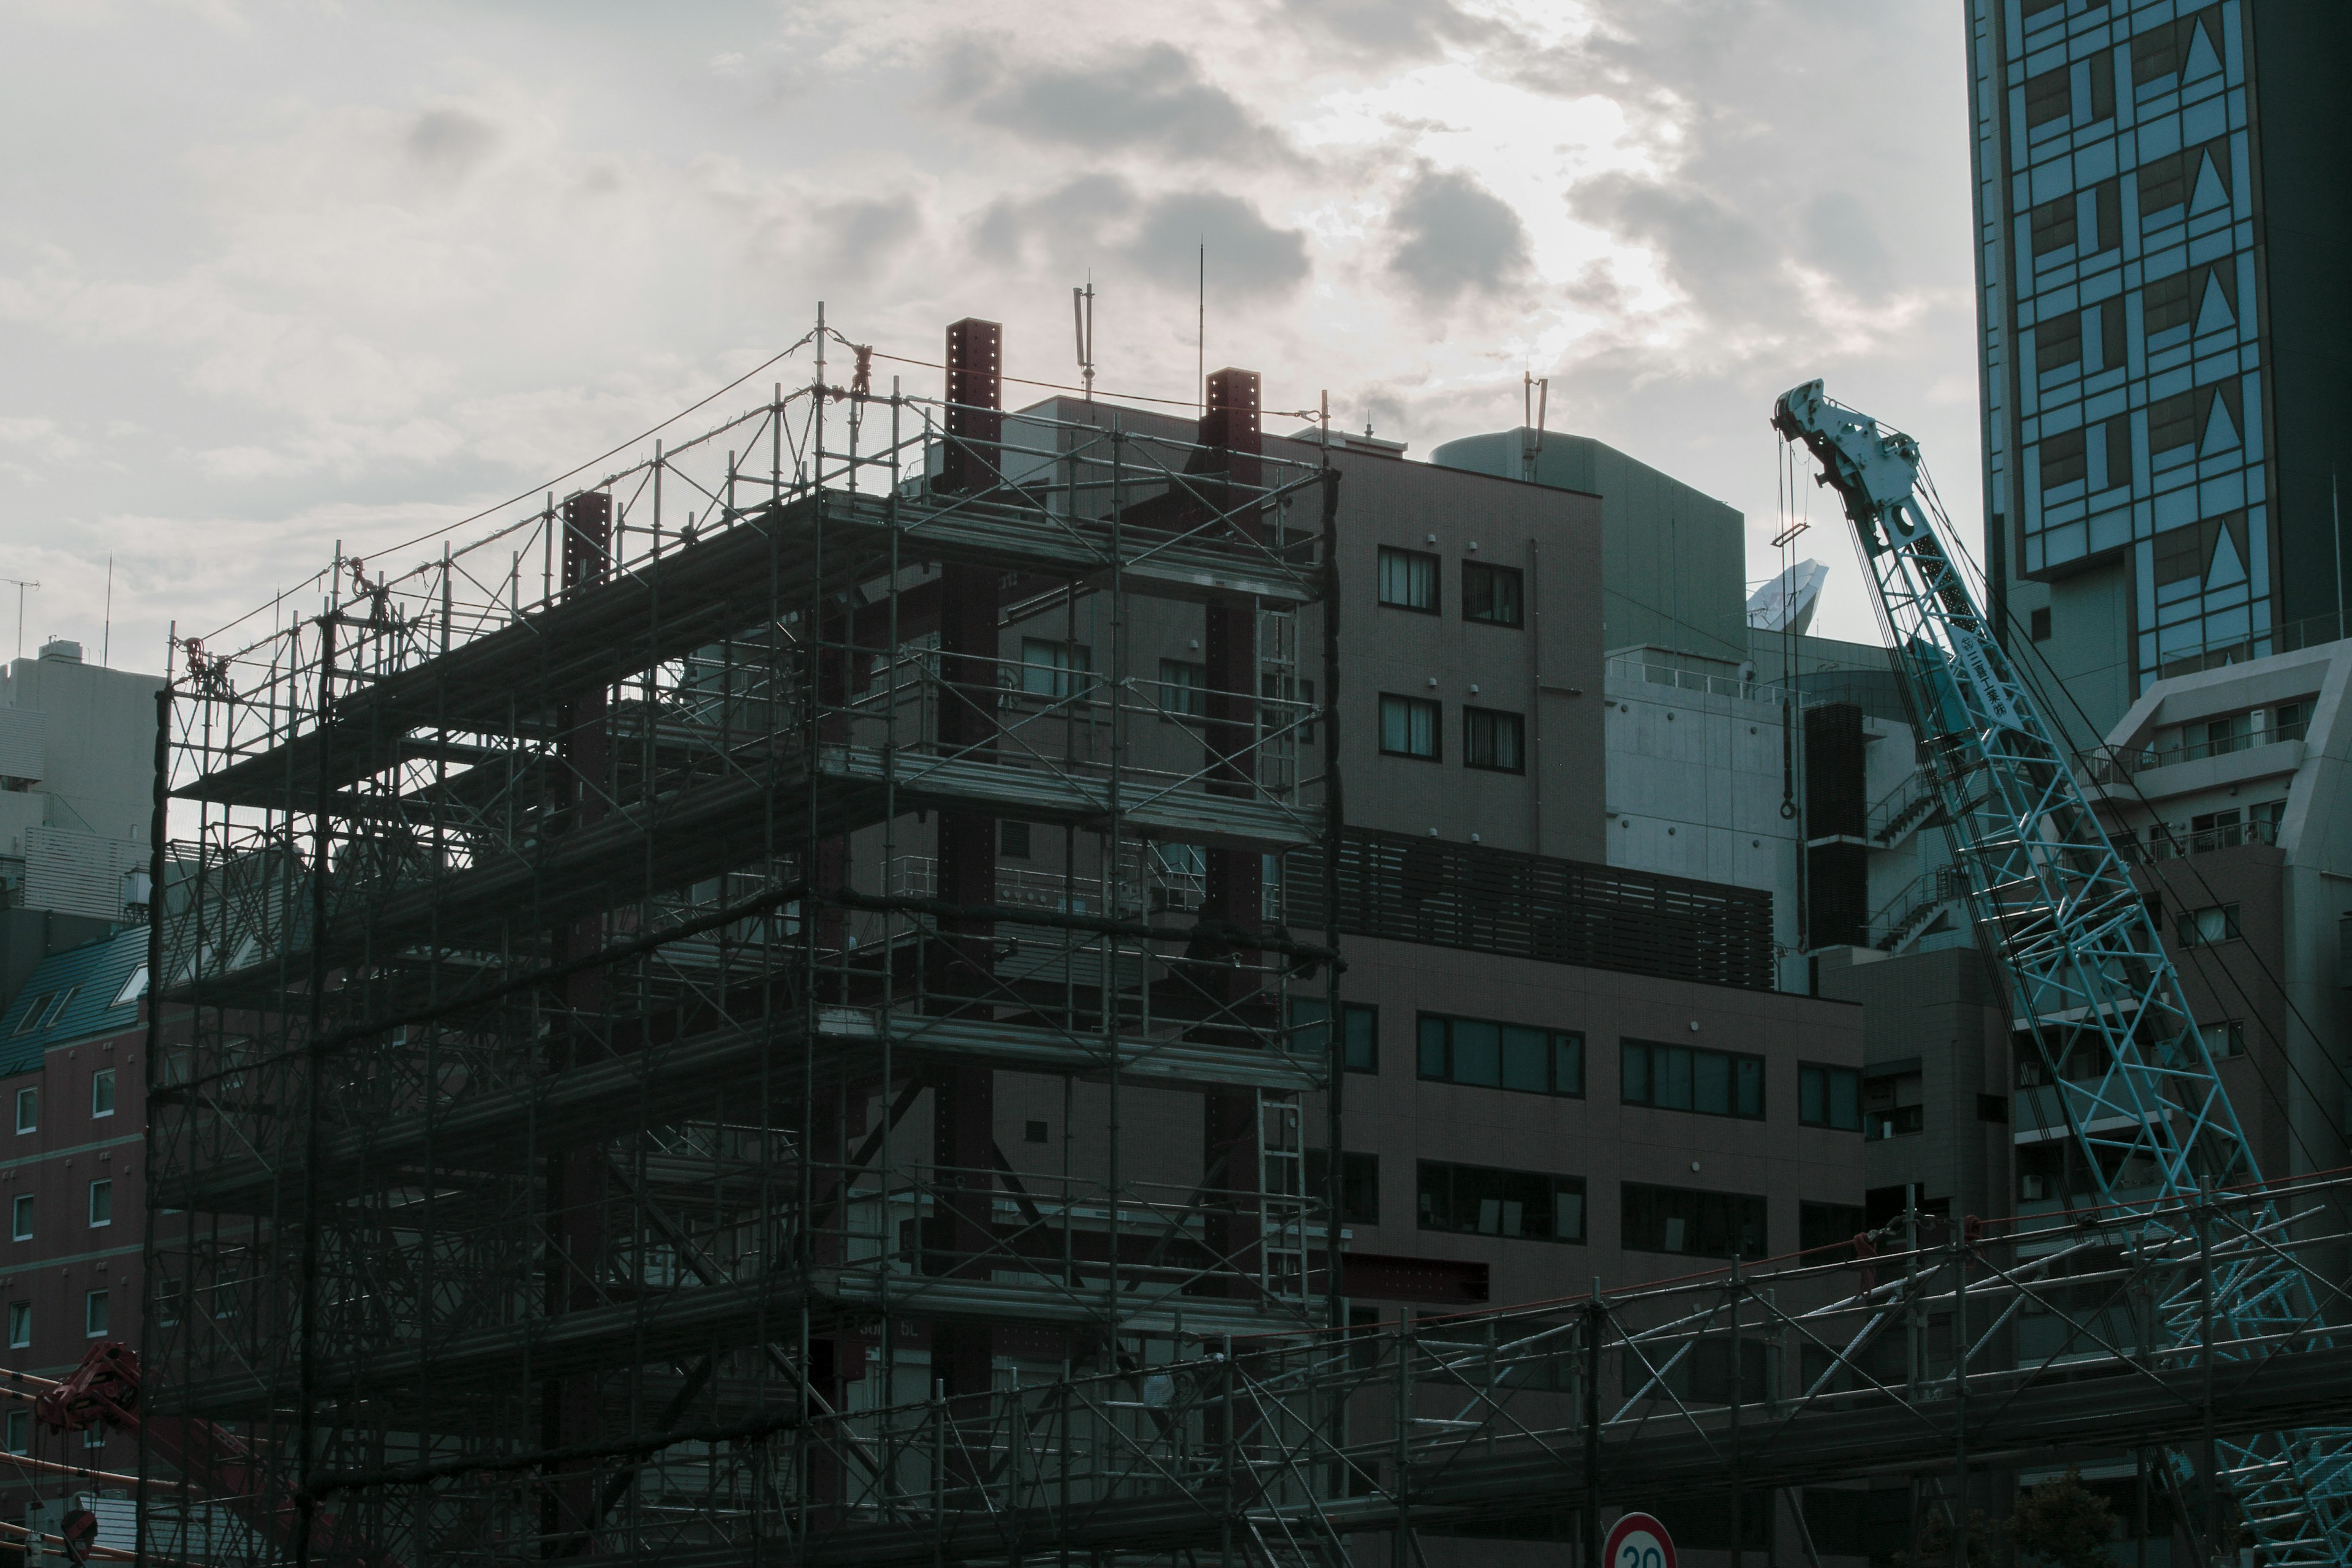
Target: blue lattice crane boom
2079,954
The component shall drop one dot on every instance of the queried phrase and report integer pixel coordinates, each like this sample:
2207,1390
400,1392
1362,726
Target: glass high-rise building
2162,192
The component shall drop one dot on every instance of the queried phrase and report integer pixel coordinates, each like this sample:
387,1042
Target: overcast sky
276,275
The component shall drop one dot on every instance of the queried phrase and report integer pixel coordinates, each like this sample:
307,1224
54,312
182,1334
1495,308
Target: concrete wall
1942,1009
1405,1119
100,742
1674,563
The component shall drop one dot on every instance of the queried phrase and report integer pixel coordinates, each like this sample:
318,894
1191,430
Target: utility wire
2189,862
540,488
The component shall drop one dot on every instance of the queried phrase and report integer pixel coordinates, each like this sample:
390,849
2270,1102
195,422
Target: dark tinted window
1692,1222
1492,593
1477,1200
1691,1078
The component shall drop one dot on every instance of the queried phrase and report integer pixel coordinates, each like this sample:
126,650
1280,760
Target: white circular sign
1638,1540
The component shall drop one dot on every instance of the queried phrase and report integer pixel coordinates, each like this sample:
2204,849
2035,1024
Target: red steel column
576,1177
963,1115
1235,887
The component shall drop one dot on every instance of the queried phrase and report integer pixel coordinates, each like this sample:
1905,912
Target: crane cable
2237,985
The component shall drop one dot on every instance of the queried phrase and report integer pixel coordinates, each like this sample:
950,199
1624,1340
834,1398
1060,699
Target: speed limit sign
1639,1541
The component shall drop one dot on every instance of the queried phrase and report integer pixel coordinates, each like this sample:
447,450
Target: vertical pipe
1334,1284
1400,1542
158,818
1959,1557
306,1352
1596,1323
1738,1398
2205,1371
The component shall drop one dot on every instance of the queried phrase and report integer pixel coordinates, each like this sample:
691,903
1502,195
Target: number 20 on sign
1638,1540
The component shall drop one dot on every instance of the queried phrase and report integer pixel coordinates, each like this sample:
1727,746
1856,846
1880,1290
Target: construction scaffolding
586,978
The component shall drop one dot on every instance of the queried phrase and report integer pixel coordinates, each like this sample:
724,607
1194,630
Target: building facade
2158,198
73,1086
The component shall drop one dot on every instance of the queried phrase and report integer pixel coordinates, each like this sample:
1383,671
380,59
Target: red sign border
1626,1524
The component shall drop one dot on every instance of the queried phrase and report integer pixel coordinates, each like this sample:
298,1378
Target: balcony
2170,841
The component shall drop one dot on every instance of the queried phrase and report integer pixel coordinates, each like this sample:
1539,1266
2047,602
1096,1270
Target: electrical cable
540,488
2286,1056
1984,939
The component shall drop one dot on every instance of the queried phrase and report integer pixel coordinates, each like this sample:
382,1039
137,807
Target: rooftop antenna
1200,333
21,586
1536,395
1082,315
106,637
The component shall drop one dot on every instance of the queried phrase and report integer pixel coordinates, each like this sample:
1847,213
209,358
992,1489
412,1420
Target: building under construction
828,922
597,967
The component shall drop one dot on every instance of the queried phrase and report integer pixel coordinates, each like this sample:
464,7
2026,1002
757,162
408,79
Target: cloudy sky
274,275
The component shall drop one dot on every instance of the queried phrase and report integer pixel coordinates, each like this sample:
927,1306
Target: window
1362,1022
1829,1224
2172,422
2111,355
2065,459
1692,1222
28,1108
101,1204
2118,454
2161,50
1054,669
1493,740
132,989
1360,1184
2227,1038
1472,1200
1487,1055
57,1006
20,1431
2102,86
2038,624
1184,689
1993,1107
1893,1102
2058,342
1493,595
20,1214
20,1325
32,1018
101,1092
2291,722
1012,839
2050,96
2207,927
93,1315
2166,303
2053,225
1829,1097
1408,580
1409,727
2108,211
167,1301
1691,1078
1033,1132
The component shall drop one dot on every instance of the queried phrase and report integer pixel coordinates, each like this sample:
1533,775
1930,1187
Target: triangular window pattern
2212,188
2214,313
2221,415
2202,60
2229,565
2220,430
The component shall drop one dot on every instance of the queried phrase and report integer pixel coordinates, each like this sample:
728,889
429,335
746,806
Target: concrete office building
2164,364
77,781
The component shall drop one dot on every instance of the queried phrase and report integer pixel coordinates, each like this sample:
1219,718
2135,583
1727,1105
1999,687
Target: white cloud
310,273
